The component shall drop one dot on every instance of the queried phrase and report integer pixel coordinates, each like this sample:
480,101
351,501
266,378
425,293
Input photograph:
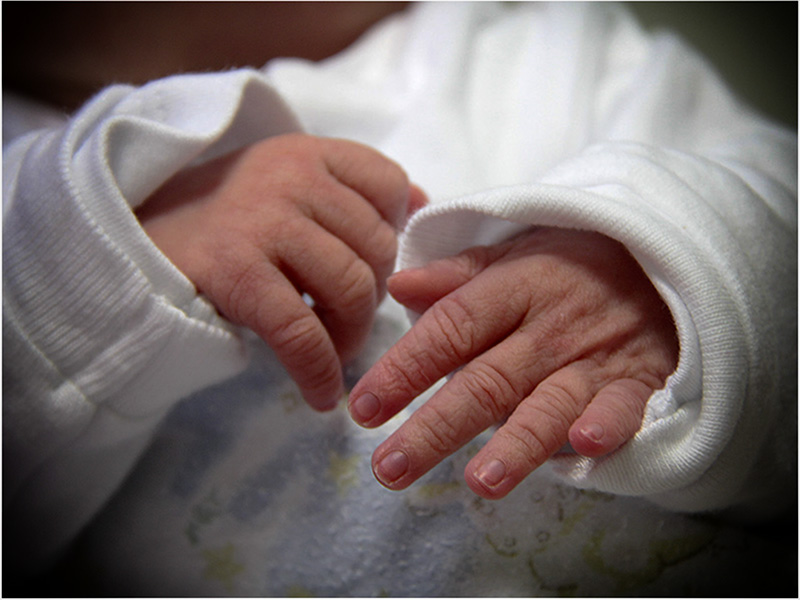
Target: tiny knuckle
323,377
309,189
439,433
359,158
410,376
358,287
327,376
298,338
383,248
454,327
532,444
241,299
285,232
557,406
492,389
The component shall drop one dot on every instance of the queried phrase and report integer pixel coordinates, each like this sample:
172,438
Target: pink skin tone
294,214
557,334
579,342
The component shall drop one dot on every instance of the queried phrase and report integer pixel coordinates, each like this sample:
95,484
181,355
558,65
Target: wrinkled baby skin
294,214
557,335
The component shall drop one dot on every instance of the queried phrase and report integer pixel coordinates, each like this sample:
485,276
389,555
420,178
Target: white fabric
102,334
508,115
567,115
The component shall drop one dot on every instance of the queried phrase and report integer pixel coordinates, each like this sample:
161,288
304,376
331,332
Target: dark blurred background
752,44
64,51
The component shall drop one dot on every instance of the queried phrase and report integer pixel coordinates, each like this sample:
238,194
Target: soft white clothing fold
102,334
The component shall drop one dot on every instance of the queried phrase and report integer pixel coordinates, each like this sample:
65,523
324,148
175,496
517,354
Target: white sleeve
703,193
101,333
567,114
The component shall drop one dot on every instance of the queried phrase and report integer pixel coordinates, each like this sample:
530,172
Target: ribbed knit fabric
102,334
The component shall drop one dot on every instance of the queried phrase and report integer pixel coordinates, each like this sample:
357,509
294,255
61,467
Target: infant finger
342,285
537,429
377,178
419,288
266,302
452,332
612,418
482,394
348,216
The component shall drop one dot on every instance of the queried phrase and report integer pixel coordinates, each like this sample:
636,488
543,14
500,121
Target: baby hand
293,214
556,334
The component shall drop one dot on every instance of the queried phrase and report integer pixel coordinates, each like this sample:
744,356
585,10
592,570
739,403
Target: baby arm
294,214
557,334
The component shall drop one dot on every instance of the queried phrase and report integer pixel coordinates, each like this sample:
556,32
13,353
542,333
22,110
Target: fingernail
365,407
392,467
593,432
491,473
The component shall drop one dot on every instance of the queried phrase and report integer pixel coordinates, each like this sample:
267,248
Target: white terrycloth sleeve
101,333
568,115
